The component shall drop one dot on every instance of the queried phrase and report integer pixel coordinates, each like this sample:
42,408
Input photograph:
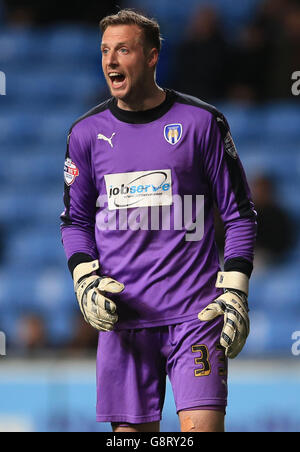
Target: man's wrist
84,270
239,264
77,259
235,281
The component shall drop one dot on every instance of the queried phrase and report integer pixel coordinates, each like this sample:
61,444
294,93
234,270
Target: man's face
123,60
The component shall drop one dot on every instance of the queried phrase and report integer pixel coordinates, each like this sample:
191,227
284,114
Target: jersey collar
143,117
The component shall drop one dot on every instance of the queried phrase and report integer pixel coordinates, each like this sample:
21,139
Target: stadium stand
54,76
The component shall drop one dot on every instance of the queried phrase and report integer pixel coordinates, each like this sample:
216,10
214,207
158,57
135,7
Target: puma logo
104,138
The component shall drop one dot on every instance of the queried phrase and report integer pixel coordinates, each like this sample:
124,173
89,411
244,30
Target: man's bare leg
209,421
136,428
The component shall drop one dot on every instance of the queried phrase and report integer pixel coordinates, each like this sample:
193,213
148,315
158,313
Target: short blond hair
150,27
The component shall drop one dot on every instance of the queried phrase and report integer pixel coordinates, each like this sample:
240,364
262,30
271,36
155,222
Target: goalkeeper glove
90,289
233,305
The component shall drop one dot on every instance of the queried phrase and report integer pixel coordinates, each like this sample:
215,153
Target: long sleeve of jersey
140,190
231,193
80,196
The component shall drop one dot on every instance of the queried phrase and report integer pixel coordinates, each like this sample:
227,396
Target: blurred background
238,56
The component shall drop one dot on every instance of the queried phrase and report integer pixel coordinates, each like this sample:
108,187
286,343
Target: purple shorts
132,366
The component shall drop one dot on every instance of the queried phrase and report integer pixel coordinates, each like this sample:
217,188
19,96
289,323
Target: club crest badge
173,133
70,171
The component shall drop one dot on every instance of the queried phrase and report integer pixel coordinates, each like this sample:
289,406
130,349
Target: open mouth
117,79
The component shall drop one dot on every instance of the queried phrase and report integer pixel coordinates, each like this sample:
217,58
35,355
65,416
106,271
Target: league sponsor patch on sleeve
70,171
229,145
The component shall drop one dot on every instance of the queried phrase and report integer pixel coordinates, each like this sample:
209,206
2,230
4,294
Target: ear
152,58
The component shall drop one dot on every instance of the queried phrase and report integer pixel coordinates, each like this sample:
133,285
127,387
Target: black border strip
78,258
239,264
143,117
235,171
65,217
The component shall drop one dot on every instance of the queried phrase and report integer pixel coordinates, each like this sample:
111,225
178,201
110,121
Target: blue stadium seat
288,193
20,129
45,291
35,245
245,122
46,287
169,13
32,130
39,110
283,166
276,289
39,169
258,340
22,44
55,43
74,42
31,206
9,321
235,15
54,130
282,122
166,63
15,208
50,207
24,129
56,87
271,333
61,328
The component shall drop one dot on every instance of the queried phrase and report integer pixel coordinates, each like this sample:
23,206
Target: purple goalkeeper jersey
140,189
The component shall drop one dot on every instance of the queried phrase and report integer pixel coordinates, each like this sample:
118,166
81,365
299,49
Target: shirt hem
128,419
156,323
217,402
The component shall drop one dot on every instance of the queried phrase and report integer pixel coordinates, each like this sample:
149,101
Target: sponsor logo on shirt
139,189
104,138
70,171
173,133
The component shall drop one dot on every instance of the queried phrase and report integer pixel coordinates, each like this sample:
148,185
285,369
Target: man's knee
124,427
202,421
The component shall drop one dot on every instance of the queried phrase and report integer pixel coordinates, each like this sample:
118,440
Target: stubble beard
137,93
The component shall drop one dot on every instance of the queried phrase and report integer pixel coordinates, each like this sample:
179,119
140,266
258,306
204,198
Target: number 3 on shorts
203,360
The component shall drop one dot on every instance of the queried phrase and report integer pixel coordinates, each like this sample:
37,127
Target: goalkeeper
150,284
